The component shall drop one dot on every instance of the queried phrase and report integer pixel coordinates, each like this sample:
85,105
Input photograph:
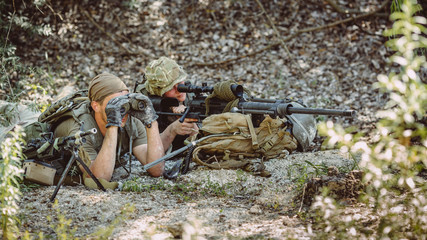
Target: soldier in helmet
162,78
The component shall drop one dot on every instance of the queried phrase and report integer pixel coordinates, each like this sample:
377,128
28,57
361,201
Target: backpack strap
255,144
274,138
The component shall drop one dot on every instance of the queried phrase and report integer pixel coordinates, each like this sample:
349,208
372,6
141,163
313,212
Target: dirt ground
330,67
210,204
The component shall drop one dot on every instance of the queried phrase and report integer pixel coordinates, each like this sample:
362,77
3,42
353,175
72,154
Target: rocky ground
326,67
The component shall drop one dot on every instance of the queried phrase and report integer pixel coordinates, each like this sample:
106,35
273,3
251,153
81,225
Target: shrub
10,177
399,150
19,19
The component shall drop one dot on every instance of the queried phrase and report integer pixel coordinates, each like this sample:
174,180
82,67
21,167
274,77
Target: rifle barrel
320,111
283,109
81,134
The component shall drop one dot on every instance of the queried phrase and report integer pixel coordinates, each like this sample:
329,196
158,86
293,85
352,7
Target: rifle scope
190,88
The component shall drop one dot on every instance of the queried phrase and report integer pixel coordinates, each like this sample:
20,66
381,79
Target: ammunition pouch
39,172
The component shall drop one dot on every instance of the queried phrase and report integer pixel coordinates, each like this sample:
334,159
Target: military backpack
234,142
45,160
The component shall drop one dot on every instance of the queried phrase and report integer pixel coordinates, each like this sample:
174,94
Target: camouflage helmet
162,74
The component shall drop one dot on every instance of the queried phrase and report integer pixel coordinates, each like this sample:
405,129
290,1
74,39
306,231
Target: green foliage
136,185
28,187
133,4
214,188
106,232
10,177
300,173
18,82
60,224
392,163
17,17
183,189
396,6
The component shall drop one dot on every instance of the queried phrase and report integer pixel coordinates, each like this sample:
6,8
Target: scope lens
141,105
122,111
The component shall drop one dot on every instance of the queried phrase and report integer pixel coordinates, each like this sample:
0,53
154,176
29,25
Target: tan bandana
104,85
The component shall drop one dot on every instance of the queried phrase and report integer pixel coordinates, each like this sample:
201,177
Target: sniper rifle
196,108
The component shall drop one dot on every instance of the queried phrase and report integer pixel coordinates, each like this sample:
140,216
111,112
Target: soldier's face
105,102
173,93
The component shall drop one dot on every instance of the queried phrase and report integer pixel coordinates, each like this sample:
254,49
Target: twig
311,29
53,11
280,38
302,198
349,19
339,9
366,31
5,45
103,30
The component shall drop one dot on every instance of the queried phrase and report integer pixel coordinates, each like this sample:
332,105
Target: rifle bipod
70,163
75,157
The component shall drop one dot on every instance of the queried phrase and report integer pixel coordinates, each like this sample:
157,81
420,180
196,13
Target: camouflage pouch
62,108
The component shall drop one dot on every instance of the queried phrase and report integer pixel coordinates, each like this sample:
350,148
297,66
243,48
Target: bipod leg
64,174
91,174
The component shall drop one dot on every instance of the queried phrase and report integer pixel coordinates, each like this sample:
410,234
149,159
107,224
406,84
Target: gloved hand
116,109
142,108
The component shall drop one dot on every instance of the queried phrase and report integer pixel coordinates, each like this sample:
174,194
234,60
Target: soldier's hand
116,109
188,127
142,108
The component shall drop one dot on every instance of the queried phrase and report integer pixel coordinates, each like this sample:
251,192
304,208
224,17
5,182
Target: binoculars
133,105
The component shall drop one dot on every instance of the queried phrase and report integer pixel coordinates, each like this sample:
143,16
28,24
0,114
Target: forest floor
326,67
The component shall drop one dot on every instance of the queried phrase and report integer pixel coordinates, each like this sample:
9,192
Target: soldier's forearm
103,165
167,136
155,149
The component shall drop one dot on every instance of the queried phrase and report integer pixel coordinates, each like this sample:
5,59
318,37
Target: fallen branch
129,52
311,29
280,39
339,9
53,11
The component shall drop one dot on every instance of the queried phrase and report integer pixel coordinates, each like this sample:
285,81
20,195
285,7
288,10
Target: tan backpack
243,146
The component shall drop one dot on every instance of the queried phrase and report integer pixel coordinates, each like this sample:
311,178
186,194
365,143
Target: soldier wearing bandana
107,94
